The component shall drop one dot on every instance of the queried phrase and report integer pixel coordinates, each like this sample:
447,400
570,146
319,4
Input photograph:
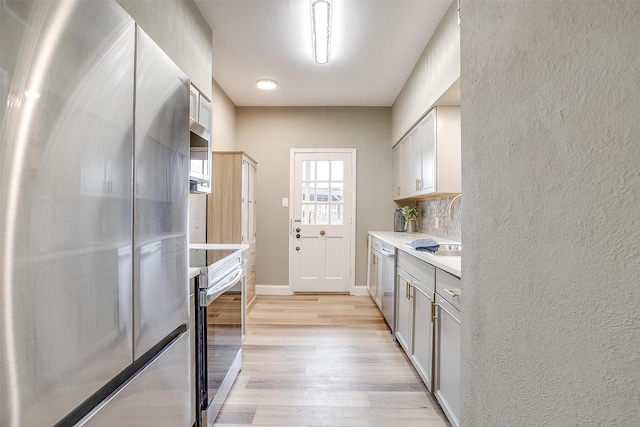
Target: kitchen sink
449,250
445,250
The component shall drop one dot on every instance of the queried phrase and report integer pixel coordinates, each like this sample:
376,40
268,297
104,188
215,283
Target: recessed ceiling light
266,84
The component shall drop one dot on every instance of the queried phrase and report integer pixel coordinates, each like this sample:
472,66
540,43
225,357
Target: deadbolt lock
297,230
297,248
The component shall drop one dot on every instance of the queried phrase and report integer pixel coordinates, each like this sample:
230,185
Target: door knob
297,236
297,248
322,232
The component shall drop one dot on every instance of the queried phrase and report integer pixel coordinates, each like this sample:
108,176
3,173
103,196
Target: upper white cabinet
200,110
200,115
427,160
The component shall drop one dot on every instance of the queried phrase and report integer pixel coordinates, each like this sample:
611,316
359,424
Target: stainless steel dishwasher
384,286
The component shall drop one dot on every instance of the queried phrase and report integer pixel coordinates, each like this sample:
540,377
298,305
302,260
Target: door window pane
323,170
336,214
308,214
337,192
337,170
322,214
308,191
322,193
308,170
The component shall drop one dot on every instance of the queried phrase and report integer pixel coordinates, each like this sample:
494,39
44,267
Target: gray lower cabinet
428,327
422,341
415,312
404,316
447,378
447,335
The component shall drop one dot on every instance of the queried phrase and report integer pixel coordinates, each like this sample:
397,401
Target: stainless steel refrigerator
93,220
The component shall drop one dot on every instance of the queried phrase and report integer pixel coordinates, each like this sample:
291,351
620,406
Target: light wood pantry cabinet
427,160
231,208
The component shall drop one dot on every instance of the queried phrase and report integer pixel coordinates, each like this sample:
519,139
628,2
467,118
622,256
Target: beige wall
268,134
551,225
223,135
179,28
437,69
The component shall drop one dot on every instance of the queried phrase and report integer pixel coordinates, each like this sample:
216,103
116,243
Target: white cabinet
447,361
404,312
427,161
398,169
200,115
422,341
200,110
415,313
447,379
372,279
205,113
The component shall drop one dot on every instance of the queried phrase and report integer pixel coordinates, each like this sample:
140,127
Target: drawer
376,243
425,273
448,287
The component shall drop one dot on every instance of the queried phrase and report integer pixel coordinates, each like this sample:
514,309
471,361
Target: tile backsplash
434,218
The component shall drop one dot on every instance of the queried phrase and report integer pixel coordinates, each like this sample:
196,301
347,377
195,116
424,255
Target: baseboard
360,291
273,290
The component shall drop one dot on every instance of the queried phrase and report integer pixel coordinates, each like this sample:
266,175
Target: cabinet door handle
374,260
433,311
398,190
408,291
417,184
453,293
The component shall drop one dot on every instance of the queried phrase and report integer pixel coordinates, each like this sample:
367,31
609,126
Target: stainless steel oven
219,326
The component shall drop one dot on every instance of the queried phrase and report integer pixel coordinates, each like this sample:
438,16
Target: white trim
354,179
273,290
360,291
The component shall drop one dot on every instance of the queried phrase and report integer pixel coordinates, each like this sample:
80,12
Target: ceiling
374,46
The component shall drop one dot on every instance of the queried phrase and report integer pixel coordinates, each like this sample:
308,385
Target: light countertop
193,272
219,246
450,264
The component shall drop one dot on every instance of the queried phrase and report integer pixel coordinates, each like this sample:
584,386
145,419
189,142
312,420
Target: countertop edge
219,246
398,239
193,272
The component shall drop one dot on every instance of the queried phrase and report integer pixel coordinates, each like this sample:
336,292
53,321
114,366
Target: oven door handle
211,294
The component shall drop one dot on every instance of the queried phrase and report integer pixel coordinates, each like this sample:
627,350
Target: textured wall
268,134
436,70
551,224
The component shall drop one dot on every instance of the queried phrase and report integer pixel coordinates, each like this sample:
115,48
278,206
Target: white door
322,253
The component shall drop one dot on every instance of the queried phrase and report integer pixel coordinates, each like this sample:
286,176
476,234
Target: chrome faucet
451,205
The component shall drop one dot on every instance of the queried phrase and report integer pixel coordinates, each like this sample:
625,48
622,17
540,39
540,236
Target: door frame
352,225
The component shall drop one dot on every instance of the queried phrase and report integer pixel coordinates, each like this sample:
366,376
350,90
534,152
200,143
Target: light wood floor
325,360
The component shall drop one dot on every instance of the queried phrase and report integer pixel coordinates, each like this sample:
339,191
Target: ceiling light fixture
266,84
321,28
